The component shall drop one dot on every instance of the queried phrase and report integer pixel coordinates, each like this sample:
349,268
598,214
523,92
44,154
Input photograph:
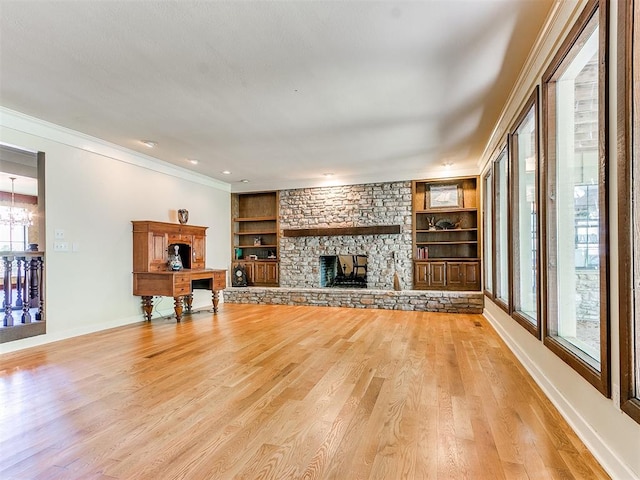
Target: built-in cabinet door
421,275
455,275
272,273
248,267
472,275
158,252
266,273
463,275
430,275
437,274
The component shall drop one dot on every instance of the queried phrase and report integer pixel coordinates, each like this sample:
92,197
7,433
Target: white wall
93,191
612,436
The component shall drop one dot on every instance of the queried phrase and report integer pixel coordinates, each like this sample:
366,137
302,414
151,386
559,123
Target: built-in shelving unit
255,237
446,235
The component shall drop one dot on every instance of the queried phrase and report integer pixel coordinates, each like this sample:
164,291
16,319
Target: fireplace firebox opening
343,271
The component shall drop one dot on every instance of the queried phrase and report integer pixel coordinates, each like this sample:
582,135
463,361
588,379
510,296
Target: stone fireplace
334,218
327,208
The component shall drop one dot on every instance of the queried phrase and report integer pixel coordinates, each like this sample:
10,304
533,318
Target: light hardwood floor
276,392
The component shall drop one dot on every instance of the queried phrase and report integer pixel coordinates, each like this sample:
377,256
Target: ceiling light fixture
193,161
225,172
15,216
149,143
448,164
244,180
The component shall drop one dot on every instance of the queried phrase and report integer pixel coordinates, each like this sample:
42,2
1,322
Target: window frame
488,231
502,148
628,121
600,379
533,102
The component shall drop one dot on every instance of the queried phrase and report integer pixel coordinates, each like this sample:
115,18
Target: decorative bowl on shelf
445,224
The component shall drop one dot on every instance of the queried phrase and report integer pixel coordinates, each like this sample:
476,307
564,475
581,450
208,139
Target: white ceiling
277,92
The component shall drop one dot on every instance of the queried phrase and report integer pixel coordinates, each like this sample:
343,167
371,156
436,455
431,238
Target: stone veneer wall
347,206
414,300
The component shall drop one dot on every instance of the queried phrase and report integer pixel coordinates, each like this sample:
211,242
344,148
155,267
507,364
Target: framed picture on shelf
443,196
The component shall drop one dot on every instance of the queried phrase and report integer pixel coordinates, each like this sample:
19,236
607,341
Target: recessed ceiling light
193,161
149,143
225,172
328,174
244,180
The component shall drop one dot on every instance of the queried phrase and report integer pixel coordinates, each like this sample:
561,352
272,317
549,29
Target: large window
576,199
501,225
629,202
524,151
487,228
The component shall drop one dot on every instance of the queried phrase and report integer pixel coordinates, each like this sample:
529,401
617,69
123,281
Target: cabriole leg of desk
188,301
177,307
147,307
216,297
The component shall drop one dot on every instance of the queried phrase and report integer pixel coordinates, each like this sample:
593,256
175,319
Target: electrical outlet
58,233
60,246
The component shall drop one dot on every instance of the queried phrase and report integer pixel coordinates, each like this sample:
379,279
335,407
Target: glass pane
526,226
488,241
501,225
577,206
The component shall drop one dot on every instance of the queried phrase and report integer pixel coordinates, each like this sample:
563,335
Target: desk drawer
181,284
181,289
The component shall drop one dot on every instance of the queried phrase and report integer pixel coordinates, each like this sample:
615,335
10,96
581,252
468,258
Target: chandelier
15,216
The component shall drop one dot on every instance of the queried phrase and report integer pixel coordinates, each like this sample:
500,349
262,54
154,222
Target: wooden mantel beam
330,232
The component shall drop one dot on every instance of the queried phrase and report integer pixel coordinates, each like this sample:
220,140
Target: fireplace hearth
343,271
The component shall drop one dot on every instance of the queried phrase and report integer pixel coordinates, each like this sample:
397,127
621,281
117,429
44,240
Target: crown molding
13,120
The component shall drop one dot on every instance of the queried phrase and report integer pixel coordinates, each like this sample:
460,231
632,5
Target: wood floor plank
283,392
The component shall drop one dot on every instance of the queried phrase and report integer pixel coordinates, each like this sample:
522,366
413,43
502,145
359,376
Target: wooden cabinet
157,251
255,235
463,275
152,243
430,275
261,273
446,233
265,273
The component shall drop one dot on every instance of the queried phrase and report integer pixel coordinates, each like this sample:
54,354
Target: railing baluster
26,304
29,287
40,314
19,282
8,317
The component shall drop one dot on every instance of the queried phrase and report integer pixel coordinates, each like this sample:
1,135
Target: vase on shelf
183,215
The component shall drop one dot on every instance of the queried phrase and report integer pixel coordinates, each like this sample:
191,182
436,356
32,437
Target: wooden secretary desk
152,243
